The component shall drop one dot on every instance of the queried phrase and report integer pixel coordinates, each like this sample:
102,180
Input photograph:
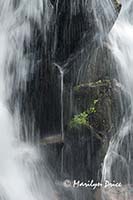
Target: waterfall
61,71
21,173
118,162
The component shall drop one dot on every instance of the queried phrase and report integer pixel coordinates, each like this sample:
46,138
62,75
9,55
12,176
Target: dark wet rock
85,145
99,97
71,42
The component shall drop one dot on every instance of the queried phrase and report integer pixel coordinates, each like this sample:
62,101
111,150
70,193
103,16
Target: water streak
21,168
118,161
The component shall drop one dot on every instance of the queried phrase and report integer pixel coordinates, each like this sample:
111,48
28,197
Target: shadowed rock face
89,140
73,30
71,42
75,27
68,34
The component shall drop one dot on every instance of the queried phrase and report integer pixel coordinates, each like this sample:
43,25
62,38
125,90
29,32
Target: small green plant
79,120
82,118
92,110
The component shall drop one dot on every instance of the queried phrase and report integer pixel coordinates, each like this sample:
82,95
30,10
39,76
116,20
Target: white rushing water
118,162
20,174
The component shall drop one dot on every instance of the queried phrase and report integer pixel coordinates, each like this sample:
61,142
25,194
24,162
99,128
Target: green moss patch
82,119
92,84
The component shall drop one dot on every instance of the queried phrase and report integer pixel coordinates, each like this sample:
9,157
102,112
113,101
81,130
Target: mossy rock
79,120
85,94
82,119
91,85
95,106
92,91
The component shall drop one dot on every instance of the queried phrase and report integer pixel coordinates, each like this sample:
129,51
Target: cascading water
21,176
61,71
118,162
